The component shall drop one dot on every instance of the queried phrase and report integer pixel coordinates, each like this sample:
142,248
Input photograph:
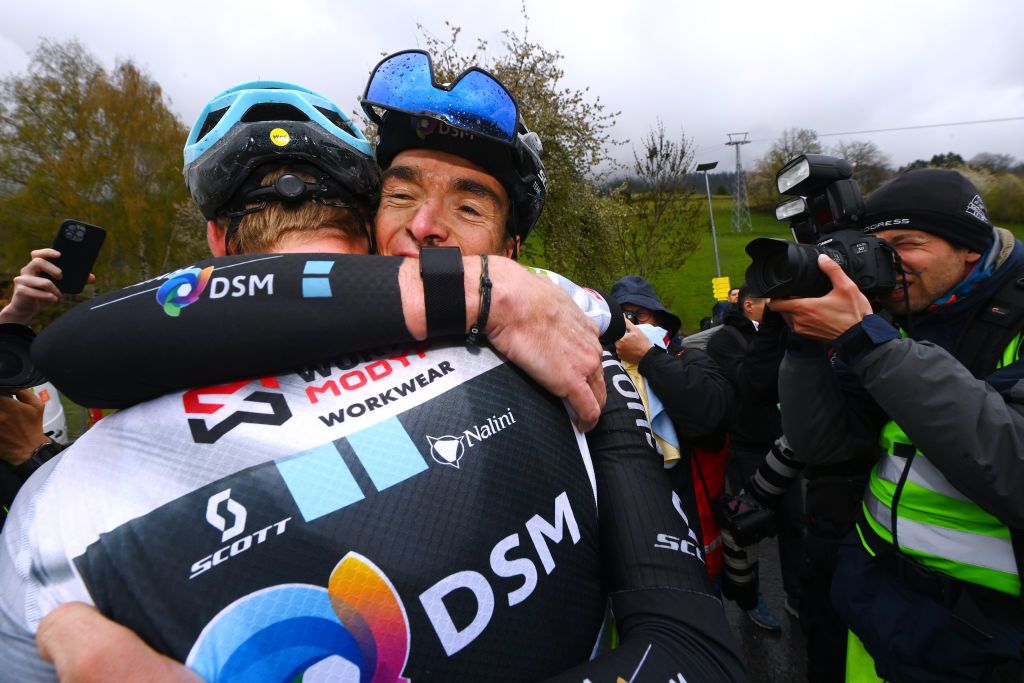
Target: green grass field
687,291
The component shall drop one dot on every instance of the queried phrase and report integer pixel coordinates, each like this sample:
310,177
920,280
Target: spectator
33,427
696,397
754,427
720,308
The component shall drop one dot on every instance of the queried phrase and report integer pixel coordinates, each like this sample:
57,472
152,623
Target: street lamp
704,168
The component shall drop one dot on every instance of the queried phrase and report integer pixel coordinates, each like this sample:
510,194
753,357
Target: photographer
929,582
32,424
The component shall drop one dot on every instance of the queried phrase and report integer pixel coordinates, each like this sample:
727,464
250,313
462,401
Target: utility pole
704,168
740,209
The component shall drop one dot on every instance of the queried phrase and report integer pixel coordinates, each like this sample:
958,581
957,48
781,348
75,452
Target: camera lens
16,368
10,364
781,269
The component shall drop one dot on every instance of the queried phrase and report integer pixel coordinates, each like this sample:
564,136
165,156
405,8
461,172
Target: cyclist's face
431,198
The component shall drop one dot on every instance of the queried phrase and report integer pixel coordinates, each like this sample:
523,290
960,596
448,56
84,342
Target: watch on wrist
40,455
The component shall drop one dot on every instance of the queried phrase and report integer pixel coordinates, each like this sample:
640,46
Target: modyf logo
449,449
278,413
232,528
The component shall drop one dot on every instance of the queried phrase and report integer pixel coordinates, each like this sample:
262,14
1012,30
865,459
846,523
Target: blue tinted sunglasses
476,102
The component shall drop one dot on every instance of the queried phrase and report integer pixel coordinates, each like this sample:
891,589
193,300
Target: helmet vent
335,118
210,122
273,111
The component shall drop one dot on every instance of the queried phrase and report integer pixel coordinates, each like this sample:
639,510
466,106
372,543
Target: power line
704,150
927,125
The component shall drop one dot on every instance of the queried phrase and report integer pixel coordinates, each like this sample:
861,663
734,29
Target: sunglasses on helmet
475,102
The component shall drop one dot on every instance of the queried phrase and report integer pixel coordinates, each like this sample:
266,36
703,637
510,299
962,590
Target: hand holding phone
79,245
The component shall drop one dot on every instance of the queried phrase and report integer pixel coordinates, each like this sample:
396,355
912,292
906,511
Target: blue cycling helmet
474,117
252,128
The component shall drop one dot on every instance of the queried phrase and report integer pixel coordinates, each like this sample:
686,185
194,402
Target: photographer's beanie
933,200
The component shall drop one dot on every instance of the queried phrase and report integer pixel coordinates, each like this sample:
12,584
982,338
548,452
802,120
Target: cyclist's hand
85,646
21,426
539,328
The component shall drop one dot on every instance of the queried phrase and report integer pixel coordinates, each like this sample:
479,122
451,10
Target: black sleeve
223,319
758,376
695,391
669,621
727,349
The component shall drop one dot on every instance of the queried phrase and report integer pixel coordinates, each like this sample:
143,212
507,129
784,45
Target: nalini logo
233,508
449,449
183,289
355,629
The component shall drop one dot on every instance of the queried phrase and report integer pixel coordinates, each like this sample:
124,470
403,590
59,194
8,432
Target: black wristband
477,330
443,290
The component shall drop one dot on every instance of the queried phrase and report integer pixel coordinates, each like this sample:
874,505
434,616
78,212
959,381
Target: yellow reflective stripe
1011,353
951,547
860,666
891,435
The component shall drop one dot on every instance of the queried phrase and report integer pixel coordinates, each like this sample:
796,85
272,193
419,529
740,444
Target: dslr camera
743,517
824,213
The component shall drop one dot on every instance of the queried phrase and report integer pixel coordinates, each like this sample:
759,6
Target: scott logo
203,433
234,508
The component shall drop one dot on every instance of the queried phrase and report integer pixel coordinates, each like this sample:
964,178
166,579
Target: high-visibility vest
936,524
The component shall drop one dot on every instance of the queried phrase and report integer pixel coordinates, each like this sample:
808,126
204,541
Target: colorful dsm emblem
354,630
183,289
424,127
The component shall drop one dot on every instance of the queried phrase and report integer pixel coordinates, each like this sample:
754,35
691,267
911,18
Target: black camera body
743,517
824,217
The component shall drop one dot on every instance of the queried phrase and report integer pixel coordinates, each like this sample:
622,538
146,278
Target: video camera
823,214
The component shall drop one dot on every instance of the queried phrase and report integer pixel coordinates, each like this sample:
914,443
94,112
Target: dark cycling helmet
474,117
249,129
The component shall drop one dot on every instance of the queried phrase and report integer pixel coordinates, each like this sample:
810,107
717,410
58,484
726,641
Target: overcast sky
708,68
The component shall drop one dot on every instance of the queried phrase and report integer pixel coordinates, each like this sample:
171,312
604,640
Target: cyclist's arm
671,625
266,314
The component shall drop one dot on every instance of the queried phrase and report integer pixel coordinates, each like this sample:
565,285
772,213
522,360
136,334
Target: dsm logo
183,289
267,408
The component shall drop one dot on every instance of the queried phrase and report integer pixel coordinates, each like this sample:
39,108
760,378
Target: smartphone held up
79,245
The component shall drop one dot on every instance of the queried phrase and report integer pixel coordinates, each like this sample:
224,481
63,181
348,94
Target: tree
102,147
761,189
1005,199
664,228
947,160
576,229
997,163
870,165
